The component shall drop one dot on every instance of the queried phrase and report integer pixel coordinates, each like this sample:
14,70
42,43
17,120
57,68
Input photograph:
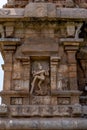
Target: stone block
79,13
40,10
72,74
40,100
45,110
3,109
55,110
17,85
73,83
34,110
71,56
17,75
40,111
16,101
19,32
63,101
64,111
84,110
14,111
72,68
36,10
9,31
76,110
51,10
61,111
25,86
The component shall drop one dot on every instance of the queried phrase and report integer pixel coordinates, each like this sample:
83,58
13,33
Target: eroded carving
4,12
41,110
17,84
40,100
70,28
78,30
3,109
16,75
64,101
39,76
16,101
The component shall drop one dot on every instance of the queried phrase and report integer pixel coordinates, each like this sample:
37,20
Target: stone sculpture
78,31
40,75
43,81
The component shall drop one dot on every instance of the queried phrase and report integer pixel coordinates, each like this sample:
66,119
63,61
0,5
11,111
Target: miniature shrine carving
44,47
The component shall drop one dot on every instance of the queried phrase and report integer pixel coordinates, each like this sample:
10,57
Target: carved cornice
42,10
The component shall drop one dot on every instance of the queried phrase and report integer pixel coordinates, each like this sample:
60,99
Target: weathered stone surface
77,110
45,110
45,124
11,12
47,10
3,109
40,10
42,44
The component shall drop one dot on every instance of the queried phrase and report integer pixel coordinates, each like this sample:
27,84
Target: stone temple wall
44,47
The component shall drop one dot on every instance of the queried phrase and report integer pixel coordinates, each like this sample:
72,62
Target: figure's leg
32,84
39,84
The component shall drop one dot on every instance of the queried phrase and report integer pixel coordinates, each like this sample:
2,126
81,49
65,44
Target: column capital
55,59
71,44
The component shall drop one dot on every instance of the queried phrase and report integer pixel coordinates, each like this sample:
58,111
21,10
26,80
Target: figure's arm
39,72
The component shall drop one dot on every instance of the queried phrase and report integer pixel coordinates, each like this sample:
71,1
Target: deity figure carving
40,76
78,30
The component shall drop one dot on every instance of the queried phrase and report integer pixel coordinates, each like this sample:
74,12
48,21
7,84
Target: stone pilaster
26,73
8,46
71,46
7,70
54,66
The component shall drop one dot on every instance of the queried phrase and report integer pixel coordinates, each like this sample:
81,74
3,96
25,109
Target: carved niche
40,77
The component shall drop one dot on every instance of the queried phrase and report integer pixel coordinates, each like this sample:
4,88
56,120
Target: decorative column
54,67
71,46
7,70
8,46
26,73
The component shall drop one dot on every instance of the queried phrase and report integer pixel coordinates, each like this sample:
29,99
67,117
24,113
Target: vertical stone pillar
71,50
26,77
54,67
26,73
71,47
7,70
